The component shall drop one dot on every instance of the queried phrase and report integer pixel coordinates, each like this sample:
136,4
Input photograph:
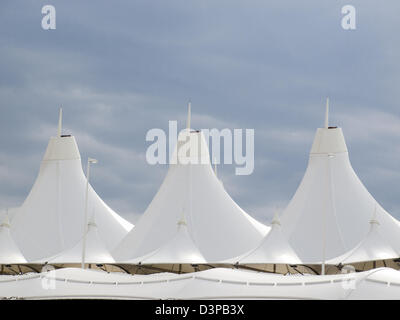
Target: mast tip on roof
327,114
59,123
189,115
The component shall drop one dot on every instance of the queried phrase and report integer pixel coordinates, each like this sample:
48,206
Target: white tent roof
179,250
374,246
9,251
273,249
217,283
51,218
96,251
331,205
218,226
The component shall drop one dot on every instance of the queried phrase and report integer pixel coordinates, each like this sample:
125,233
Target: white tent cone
9,251
96,251
273,249
180,249
331,194
50,219
218,226
374,246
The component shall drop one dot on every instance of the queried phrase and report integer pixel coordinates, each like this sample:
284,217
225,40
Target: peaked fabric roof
273,249
374,246
9,251
51,219
96,251
180,249
326,216
219,228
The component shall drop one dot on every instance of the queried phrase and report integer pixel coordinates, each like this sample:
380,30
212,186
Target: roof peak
329,141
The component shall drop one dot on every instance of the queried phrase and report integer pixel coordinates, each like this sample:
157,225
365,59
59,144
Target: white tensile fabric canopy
9,251
273,249
51,219
374,246
95,250
219,228
218,283
179,250
327,215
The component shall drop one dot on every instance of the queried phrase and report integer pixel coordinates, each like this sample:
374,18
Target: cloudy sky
120,68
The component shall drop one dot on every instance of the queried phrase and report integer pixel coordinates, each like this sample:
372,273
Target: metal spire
59,123
189,115
327,114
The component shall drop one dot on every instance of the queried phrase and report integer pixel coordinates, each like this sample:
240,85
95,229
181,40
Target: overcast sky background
120,68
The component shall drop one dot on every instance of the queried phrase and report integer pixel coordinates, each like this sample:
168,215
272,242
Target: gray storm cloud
120,69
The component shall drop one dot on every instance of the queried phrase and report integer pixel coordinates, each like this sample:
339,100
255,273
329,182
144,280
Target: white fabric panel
179,250
374,246
9,251
273,249
96,251
218,226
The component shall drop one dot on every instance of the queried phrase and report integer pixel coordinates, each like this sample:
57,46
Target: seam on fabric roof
104,282
316,282
79,281
155,281
206,279
282,284
130,283
61,233
334,205
234,282
271,284
377,281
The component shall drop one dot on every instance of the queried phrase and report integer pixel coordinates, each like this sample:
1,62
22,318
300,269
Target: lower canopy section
17,269
146,269
215,283
363,266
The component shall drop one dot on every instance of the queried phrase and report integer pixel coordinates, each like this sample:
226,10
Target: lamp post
85,227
